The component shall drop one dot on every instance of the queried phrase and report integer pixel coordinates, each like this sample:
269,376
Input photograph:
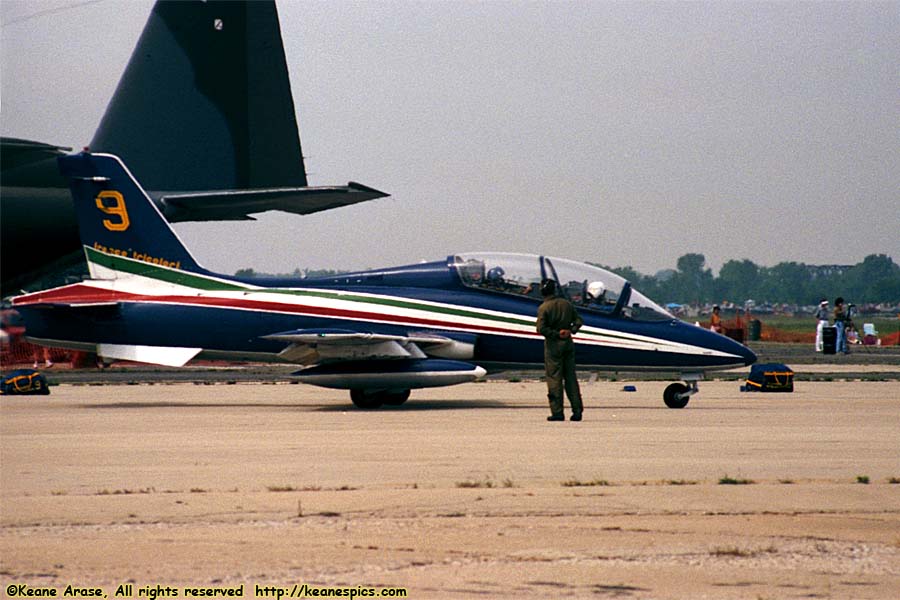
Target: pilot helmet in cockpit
596,290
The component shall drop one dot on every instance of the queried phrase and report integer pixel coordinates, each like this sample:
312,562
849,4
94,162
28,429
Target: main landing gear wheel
372,400
677,395
395,398
366,400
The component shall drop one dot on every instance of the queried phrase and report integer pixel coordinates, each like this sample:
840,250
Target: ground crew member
557,320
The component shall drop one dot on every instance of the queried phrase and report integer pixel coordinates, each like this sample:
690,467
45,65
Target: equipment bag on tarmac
829,340
770,377
22,382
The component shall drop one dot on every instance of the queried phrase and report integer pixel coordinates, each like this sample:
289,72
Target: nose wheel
677,395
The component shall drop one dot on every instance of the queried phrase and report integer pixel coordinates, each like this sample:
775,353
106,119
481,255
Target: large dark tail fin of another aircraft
205,101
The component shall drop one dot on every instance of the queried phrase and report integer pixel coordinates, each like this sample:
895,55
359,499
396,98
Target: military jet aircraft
203,114
376,333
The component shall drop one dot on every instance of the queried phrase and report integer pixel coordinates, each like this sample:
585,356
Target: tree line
875,280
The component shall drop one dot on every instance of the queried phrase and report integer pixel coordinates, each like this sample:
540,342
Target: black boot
575,417
556,417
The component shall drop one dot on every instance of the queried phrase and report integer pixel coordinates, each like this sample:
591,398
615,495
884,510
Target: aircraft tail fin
121,229
205,101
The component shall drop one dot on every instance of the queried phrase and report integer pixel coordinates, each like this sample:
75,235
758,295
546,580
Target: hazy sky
620,133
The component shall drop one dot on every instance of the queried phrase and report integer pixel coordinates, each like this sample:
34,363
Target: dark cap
548,287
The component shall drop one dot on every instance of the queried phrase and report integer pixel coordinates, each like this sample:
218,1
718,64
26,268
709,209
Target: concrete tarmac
463,492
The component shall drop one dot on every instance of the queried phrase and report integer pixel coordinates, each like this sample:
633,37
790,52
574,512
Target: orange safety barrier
20,352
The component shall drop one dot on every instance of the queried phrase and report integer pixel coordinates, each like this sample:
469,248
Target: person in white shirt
822,317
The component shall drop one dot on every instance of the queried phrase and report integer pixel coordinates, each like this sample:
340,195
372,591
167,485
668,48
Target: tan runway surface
464,492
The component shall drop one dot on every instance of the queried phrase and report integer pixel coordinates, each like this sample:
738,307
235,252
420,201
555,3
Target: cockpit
589,287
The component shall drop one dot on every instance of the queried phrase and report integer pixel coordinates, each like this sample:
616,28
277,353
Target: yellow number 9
115,208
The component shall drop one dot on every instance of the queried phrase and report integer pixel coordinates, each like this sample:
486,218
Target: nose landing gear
677,395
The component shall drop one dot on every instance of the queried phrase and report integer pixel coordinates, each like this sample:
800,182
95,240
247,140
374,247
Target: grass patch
893,480
864,479
149,490
281,488
591,483
309,488
473,484
730,551
734,551
680,482
786,481
726,480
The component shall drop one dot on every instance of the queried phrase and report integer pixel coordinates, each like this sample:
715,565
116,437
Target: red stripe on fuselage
76,294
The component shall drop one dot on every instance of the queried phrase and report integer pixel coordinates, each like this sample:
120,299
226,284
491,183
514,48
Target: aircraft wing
238,205
316,346
16,152
75,305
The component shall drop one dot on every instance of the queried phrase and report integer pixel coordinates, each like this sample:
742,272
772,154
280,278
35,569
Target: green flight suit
556,314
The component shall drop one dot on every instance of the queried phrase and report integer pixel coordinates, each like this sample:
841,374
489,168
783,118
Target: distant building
818,271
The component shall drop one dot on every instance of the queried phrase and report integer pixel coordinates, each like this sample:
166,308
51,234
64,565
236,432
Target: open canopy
587,286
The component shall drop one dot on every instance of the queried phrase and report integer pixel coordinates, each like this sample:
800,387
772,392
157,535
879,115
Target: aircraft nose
748,355
737,349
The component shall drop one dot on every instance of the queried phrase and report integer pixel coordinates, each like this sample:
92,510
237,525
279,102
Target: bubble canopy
589,287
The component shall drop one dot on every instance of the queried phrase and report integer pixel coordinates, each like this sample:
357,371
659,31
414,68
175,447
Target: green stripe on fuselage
169,275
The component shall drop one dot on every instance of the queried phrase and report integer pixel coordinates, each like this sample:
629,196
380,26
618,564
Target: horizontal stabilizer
156,355
76,305
405,374
239,204
77,296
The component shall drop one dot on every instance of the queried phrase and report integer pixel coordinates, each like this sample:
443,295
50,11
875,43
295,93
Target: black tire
395,399
673,395
367,401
